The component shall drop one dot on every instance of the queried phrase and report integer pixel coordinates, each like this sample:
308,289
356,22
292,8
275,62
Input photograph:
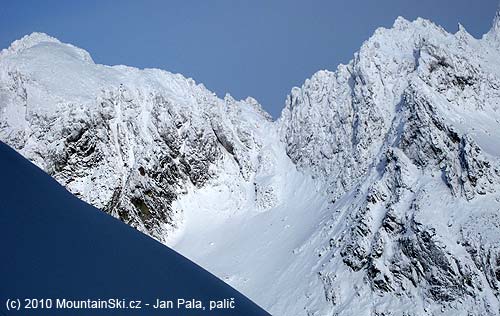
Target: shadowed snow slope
56,246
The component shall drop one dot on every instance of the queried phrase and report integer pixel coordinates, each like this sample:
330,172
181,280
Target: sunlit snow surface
265,252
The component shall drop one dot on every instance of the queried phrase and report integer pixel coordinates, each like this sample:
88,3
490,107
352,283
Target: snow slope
401,217
256,247
56,246
377,191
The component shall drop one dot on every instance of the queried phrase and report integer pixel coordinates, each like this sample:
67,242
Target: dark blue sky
247,48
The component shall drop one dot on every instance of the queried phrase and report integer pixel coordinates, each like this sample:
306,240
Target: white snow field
263,248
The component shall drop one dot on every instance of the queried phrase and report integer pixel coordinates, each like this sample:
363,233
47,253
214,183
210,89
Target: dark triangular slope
56,246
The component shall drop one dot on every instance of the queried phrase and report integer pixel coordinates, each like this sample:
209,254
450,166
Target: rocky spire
496,20
495,28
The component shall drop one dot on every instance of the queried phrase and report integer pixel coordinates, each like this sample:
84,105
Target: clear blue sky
247,48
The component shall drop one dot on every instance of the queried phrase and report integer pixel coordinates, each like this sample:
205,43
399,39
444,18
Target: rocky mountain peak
496,21
493,35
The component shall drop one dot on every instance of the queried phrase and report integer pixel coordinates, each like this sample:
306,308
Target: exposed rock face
124,140
407,131
402,142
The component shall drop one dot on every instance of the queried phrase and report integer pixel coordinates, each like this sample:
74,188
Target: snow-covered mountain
122,139
377,191
60,248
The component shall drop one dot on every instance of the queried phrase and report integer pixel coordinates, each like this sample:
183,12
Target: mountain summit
375,193
495,28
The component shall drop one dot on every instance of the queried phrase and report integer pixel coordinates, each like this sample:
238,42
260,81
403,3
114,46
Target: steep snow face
125,140
336,124
405,139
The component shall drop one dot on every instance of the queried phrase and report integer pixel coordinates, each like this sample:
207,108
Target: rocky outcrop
402,138
131,141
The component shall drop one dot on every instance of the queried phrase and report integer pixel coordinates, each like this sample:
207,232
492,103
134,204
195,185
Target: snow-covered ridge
494,33
405,139
123,139
37,38
375,193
